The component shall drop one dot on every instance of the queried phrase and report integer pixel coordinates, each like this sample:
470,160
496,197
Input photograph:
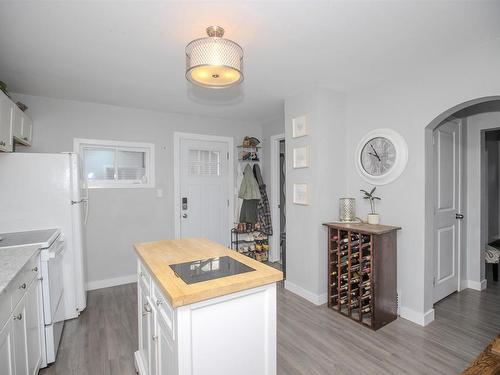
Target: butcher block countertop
158,256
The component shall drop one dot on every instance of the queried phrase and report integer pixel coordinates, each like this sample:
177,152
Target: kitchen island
204,310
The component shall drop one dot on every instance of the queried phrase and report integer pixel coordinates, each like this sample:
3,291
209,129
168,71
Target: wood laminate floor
311,339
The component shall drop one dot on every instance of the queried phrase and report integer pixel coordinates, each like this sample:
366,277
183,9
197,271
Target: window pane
131,165
99,163
204,163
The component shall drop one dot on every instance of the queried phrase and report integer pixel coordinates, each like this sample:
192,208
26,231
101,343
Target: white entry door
447,151
204,189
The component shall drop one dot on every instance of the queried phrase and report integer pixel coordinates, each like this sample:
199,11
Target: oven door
52,282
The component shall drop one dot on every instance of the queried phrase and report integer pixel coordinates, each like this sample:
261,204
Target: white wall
306,237
271,127
407,104
121,217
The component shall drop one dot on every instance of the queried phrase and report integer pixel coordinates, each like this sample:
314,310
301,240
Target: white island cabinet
221,326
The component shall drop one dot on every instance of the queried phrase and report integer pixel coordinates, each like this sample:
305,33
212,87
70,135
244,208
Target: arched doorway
470,262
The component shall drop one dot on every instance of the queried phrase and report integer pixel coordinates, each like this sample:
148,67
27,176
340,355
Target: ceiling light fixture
213,61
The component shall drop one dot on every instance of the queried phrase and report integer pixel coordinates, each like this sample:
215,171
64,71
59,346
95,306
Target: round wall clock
381,156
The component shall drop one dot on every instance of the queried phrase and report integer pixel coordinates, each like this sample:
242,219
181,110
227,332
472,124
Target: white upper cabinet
22,126
14,125
17,122
27,131
6,107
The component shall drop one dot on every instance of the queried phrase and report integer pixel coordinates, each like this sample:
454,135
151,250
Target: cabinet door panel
17,122
19,328
6,350
27,130
33,329
144,328
5,124
165,347
153,350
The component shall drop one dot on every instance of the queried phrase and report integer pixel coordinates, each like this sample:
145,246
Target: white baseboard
99,284
416,317
472,284
317,299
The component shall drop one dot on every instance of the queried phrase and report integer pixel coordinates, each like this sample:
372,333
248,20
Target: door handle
184,216
459,216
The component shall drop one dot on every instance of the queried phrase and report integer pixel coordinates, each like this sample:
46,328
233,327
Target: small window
115,164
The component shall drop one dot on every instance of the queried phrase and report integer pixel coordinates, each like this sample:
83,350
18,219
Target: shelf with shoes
252,243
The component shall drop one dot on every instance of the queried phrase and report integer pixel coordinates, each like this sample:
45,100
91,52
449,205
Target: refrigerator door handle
86,216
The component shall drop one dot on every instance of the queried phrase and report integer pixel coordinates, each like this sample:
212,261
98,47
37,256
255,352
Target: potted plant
373,218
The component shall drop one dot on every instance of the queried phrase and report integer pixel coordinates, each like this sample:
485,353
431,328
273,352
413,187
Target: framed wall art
299,127
301,157
301,194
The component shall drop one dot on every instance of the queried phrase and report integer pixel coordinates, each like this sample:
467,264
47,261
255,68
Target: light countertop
12,260
158,256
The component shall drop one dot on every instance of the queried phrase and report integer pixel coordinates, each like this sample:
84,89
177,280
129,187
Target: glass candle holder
347,209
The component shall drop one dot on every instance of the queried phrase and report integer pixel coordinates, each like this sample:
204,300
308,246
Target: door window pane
204,163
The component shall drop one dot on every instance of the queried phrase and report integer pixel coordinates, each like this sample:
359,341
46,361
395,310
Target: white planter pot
373,218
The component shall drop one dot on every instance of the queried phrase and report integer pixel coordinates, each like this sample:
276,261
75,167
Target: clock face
378,156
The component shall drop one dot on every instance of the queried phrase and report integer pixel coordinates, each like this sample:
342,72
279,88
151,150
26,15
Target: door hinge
227,155
228,202
434,281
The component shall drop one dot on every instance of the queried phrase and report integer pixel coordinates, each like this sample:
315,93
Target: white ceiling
131,53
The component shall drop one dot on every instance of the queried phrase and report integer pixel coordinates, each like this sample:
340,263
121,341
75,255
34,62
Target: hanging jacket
249,188
263,207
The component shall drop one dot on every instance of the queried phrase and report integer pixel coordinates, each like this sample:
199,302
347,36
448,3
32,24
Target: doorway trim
178,136
429,206
275,193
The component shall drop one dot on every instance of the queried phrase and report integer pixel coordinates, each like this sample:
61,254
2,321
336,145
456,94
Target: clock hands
376,154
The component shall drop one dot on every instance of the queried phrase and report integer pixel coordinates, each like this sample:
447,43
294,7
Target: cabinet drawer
143,277
19,285
163,307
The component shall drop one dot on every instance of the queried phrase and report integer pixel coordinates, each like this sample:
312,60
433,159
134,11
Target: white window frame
148,148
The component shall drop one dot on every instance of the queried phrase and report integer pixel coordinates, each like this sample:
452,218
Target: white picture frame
299,127
301,157
301,194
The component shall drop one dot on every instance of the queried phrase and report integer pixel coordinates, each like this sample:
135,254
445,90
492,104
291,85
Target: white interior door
447,152
204,189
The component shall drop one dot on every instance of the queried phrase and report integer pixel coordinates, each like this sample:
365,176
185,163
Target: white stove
43,238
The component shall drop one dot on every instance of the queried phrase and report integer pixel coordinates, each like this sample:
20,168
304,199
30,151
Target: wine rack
362,272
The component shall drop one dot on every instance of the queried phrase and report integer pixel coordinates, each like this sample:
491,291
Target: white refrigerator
41,191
